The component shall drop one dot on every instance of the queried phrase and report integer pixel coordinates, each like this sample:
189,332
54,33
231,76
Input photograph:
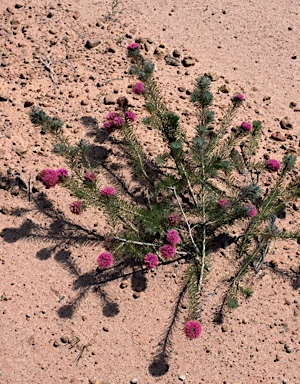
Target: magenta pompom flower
251,210
193,329
151,260
107,191
118,122
113,121
105,260
173,219
173,237
108,125
76,207
111,115
238,98
246,126
49,177
167,251
273,165
62,173
223,203
133,46
138,88
130,116
89,177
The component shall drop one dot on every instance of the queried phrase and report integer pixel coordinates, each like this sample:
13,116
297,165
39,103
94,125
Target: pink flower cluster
133,46
238,98
130,116
151,260
113,121
138,88
107,191
167,251
273,165
50,177
246,126
76,207
89,177
223,203
173,219
173,237
193,329
62,173
250,210
105,260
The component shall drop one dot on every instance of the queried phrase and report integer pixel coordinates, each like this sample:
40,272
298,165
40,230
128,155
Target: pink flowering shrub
105,260
151,260
193,329
273,165
209,174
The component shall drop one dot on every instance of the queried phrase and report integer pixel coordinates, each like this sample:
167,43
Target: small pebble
181,377
287,348
277,358
285,123
64,339
28,103
133,381
91,43
124,284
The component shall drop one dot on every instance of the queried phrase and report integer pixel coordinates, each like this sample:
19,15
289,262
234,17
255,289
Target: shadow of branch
159,365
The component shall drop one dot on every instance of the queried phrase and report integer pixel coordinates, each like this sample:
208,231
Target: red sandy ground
253,47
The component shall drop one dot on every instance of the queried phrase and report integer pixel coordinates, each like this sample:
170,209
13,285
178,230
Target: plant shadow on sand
95,280
58,231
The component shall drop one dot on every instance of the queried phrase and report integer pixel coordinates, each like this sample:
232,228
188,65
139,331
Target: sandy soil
57,326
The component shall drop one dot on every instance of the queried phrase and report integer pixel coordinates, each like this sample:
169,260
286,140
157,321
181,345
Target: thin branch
186,220
46,63
189,185
145,244
134,242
